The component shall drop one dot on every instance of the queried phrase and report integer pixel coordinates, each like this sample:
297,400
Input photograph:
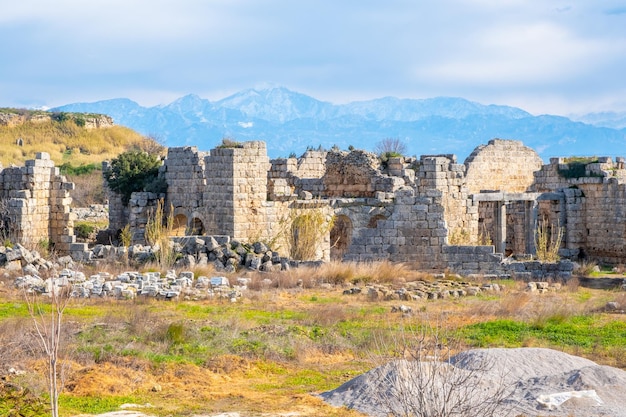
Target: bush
132,171
83,230
82,169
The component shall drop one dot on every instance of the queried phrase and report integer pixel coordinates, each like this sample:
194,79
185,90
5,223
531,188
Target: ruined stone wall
413,231
442,173
605,221
290,176
505,165
312,164
236,190
219,205
185,174
38,203
407,210
593,212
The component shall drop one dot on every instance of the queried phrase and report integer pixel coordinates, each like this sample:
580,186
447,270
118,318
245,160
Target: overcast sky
545,56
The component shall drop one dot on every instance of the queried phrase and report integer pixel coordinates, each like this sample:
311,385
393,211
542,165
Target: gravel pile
536,381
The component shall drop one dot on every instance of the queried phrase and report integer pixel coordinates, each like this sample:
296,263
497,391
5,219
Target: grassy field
278,345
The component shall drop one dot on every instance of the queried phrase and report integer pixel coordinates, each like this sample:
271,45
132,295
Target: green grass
586,332
13,309
71,405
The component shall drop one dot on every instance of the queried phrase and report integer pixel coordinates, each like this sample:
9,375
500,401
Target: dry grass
89,189
66,142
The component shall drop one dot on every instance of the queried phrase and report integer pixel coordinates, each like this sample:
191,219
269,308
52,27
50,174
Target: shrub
230,143
83,230
82,169
132,171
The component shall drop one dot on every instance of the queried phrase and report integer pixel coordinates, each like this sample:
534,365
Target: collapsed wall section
356,174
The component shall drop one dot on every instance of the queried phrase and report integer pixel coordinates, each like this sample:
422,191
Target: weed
126,236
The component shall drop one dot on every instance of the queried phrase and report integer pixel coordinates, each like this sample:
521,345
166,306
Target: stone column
500,238
531,213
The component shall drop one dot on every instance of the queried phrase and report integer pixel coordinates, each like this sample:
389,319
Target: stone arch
504,165
180,225
373,222
340,237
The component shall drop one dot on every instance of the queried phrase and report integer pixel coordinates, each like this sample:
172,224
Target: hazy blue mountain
290,122
615,120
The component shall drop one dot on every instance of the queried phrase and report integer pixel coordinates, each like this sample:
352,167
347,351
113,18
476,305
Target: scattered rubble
424,290
132,284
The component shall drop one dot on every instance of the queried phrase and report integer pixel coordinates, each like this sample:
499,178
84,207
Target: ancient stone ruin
476,217
35,204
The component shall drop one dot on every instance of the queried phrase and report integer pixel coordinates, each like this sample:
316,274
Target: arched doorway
196,226
340,237
180,225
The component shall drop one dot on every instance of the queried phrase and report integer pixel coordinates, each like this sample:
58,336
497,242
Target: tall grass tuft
548,241
158,230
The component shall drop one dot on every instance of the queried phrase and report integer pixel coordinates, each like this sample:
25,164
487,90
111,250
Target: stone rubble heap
221,252
131,284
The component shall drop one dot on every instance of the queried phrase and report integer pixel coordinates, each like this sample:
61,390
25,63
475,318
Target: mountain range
290,122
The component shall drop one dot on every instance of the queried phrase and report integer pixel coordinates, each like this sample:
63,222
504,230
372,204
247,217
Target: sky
560,57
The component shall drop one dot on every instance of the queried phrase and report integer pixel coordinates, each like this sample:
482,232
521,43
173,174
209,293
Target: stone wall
419,211
593,212
37,204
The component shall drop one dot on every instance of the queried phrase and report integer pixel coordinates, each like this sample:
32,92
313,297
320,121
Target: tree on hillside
134,171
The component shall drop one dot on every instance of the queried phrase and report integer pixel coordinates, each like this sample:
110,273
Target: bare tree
390,147
47,317
422,378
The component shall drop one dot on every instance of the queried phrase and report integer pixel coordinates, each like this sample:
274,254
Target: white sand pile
531,381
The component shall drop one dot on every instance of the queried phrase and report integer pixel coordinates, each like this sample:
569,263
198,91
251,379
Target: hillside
291,122
73,139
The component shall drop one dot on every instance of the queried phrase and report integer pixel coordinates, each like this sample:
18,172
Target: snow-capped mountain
290,122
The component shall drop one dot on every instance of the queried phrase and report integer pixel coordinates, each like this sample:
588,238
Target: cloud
72,50
538,53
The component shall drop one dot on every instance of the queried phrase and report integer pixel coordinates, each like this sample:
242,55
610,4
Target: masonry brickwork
36,204
431,211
